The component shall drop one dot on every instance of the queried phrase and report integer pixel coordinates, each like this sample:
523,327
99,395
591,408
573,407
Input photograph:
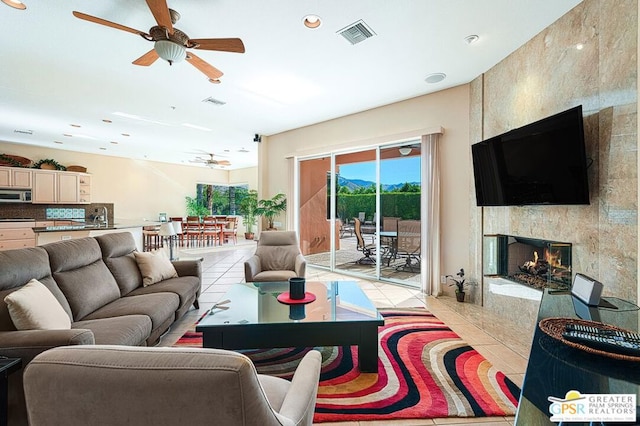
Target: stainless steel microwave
15,196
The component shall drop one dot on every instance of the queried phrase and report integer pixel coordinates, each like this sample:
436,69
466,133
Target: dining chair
211,231
231,230
192,231
178,226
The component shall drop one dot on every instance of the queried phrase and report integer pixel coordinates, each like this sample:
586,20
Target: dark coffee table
341,315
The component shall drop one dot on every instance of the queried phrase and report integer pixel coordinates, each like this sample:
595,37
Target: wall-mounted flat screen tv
541,163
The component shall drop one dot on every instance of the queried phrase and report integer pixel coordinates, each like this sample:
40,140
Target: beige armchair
121,385
277,258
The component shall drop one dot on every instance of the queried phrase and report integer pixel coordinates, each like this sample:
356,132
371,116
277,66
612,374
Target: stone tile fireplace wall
545,76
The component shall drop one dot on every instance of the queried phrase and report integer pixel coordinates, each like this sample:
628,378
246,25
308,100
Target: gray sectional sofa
99,284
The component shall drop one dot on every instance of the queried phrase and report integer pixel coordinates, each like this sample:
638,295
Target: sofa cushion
117,253
154,267
158,306
17,268
81,274
128,330
185,287
34,307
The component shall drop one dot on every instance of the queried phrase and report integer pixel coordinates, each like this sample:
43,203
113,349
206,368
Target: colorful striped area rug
425,371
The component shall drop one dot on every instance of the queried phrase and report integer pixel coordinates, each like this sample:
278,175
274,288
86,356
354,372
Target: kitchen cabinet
15,235
14,177
85,189
68,188
54,187
45,187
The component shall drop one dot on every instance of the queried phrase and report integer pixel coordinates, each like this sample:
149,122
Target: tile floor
225,265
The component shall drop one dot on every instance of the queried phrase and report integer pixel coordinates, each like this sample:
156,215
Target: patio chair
409,245
367,250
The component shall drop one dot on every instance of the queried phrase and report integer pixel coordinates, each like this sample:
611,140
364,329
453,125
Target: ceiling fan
170,43
211,162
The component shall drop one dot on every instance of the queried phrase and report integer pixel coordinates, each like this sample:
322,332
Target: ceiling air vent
213,101
357,32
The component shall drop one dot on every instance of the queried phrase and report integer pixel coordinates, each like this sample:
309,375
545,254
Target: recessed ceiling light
243,150
436,77
114,142
67,135
75,125
107,121
126,134
312,21
15,4
103,148
58,142
470,39
226,150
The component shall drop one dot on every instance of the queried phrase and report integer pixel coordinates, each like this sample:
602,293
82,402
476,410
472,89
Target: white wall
138,189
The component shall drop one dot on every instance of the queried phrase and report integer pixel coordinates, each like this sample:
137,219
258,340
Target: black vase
460,296
296,288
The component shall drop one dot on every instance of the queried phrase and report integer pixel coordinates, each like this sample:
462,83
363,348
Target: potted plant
248,208
195,207
459,282
271,208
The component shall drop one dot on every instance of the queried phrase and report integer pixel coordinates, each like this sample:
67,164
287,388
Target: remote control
626,335
614,344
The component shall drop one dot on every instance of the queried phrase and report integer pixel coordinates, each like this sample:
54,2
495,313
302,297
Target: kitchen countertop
91,227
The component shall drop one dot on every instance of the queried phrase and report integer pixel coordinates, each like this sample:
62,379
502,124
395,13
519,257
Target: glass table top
257,303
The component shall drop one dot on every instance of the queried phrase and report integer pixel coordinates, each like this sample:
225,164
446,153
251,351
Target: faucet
105,220
101,219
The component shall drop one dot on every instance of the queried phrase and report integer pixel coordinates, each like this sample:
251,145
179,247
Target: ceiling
59,71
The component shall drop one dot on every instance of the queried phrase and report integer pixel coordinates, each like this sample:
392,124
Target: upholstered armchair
277,258
124,385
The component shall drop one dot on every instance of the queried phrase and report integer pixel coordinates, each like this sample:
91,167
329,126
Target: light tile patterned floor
224,266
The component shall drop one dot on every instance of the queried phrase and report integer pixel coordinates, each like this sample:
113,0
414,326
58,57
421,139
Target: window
221,199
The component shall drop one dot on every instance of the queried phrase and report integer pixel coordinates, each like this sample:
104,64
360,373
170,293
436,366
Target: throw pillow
154,267
34,307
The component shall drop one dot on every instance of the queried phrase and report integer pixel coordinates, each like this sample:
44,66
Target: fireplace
529,261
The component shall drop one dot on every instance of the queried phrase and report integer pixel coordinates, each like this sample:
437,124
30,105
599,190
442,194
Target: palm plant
248,208
272,207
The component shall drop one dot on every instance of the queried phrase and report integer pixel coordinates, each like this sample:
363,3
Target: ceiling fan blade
160,12
222,44
209,70
224,163
107,23
147,59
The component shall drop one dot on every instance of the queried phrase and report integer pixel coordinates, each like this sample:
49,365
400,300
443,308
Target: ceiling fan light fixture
170,51
312,21
405,150
16,4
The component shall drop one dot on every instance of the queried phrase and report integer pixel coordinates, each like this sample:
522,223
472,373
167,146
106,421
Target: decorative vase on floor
460,296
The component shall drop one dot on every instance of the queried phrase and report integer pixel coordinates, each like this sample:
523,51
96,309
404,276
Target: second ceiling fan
170,43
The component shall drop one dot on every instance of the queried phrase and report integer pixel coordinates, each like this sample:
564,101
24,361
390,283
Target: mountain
354,184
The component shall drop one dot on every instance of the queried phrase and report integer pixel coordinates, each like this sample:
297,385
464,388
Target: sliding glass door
360,212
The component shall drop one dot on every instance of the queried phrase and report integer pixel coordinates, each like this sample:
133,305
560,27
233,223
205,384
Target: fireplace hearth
532,262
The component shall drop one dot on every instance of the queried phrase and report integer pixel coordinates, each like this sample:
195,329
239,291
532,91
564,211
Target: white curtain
431,215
